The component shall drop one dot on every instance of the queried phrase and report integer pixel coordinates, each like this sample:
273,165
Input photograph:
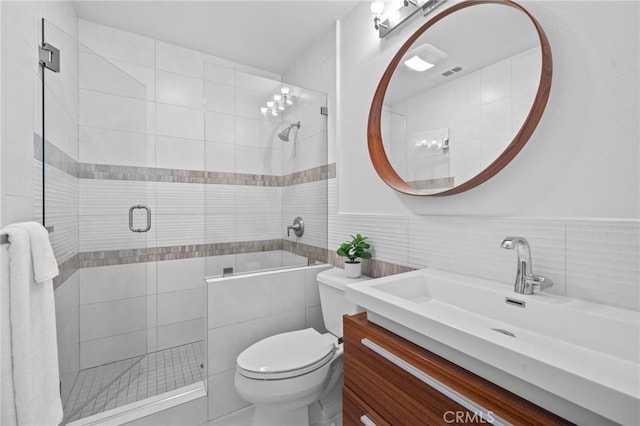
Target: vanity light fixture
279,103
387,21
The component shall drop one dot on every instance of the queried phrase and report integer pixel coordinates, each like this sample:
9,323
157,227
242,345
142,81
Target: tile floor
113,385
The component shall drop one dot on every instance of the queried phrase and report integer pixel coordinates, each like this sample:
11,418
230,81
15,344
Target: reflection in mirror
460,94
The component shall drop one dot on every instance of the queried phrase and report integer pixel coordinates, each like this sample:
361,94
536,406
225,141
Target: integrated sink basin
576,358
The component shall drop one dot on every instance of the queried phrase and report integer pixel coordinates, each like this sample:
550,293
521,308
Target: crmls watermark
462,417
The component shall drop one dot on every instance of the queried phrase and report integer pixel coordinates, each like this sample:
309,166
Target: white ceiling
263,34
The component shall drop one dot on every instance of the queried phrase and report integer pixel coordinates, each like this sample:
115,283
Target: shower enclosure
150,187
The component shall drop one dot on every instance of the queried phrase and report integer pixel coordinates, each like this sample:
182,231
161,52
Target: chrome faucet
526,280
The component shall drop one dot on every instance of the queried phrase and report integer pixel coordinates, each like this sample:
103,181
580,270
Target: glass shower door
98,199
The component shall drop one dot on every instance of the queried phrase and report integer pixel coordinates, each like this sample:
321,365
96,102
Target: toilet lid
286,355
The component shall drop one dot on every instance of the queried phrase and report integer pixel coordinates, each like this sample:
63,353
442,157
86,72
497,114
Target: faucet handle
539,281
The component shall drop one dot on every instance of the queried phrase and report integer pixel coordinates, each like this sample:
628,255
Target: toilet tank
332,284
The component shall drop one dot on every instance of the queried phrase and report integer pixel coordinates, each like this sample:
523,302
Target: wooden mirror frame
374,135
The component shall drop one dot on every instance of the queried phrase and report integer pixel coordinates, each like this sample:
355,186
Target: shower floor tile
113,385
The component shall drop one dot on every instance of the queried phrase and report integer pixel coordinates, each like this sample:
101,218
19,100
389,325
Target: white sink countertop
585,353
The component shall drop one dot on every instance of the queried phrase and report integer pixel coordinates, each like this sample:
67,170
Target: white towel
30,377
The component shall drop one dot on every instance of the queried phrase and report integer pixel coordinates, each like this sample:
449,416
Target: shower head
284,135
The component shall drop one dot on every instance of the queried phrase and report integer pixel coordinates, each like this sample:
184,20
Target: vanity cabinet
391,381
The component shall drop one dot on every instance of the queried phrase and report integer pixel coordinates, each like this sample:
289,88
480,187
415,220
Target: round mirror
460,98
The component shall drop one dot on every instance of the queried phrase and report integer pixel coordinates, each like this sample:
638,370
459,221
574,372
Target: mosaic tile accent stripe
151,254
60,160
372,267
312,253
151,174
55,156
66,268
439,183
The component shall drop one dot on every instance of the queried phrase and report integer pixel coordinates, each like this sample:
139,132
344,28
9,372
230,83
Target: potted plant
353,250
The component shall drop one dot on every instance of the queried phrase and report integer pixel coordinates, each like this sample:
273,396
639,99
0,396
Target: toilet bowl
284,374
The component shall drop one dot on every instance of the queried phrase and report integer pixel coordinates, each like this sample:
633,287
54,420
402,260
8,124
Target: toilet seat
286,355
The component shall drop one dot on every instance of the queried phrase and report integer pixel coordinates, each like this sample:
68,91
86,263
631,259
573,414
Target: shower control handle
141,207
297,227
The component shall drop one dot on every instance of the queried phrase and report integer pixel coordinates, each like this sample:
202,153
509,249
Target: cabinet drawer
357,413
408,385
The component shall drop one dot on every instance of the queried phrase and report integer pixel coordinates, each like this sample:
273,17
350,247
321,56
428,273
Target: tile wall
211,170
246,309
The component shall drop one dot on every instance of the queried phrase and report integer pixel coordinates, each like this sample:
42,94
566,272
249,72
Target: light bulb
270,104
284,91
393,17
277,98
377,7
263,110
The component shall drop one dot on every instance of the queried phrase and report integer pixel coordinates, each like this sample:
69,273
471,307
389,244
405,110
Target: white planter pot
352,270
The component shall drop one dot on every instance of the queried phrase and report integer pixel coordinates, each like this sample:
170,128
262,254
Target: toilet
287,374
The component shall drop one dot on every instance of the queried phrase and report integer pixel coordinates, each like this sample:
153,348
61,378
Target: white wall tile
220,199
102,351
220,127
179,198
170,57
193,412
256,83
104,146
226,343
219,74
176,89
244,298
179,306
496,82
173,230
257,132
314,319
67,302
253,262
105,283
255,160
61,125
100,75
472,246
114,197
180,274
143,74
179,122
214,265
152,311
104,232
258,225
220,227
220,157
62,212
180,333
226,399
220,97
106,319
152,339
258,199
603,262
68,356
113,112
116,44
